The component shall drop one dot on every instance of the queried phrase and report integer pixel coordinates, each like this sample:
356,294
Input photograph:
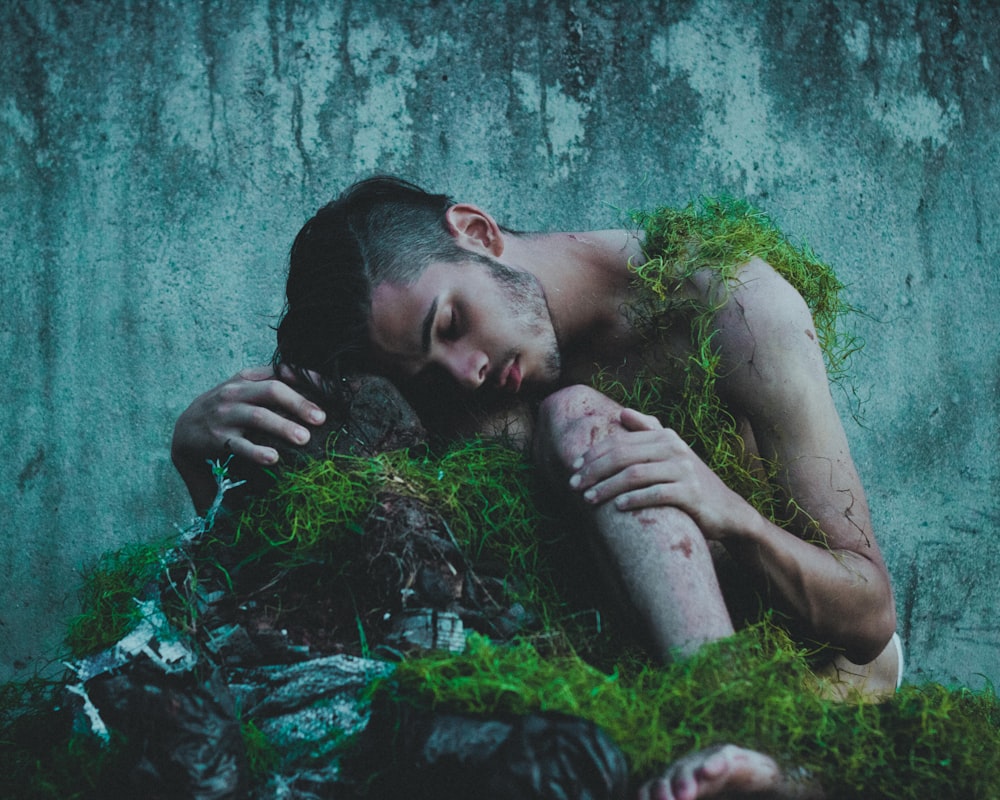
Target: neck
585,278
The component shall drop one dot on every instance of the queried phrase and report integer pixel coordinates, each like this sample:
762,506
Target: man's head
384,277
380,229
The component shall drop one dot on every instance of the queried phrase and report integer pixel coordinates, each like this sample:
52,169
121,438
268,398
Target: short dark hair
380,229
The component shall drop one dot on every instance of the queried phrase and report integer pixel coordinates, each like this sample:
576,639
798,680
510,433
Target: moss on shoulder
718,235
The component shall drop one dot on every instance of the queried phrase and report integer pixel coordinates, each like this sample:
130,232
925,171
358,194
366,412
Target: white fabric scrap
97,725
168,653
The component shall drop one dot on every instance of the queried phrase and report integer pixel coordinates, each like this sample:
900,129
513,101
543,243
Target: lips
510,378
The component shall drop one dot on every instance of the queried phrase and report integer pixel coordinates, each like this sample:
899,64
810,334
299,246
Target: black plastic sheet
543,755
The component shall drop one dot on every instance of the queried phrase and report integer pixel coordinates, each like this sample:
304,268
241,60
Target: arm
774,377
219,422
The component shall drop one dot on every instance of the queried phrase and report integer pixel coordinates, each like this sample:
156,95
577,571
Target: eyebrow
425,339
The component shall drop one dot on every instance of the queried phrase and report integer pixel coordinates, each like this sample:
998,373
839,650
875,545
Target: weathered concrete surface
156,160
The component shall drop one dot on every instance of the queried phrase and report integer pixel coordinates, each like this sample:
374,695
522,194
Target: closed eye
452,327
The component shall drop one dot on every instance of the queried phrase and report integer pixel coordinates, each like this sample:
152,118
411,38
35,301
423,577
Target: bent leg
659,553
875,681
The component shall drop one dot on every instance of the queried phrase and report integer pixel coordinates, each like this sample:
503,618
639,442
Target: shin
659,554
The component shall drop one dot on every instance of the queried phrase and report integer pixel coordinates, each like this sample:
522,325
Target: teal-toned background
156,159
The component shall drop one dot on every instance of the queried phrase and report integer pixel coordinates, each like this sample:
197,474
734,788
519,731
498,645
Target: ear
474,229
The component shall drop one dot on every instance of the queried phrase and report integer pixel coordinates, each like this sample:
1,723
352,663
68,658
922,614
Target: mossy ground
755,689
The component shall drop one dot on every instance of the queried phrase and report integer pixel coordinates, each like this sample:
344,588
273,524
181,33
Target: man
391,279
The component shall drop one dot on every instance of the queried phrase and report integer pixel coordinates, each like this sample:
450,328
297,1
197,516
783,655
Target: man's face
485,326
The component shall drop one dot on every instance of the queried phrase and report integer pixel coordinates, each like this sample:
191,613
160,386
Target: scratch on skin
684,545
810,334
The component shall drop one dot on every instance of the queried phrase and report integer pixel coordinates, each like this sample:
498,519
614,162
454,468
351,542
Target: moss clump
108,596
481,489
722,234
753,689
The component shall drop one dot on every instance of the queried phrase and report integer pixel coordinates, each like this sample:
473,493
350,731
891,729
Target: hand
646,465
218,422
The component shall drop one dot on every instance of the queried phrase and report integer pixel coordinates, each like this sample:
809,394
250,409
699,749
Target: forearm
839,595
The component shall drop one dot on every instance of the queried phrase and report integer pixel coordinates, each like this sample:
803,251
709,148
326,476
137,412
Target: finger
314,376
258,454
658,789
635,477
656,496
717,764
637,421
624,462
683,784
662,442
289,375
245,420
622,447
304,409
274,394
254,374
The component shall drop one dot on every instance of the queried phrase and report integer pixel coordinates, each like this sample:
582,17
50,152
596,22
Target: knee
571,420
576,402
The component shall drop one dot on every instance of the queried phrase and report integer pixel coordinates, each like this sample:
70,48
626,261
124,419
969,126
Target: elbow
869,638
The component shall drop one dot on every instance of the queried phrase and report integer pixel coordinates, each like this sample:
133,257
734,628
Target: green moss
722,234
478,486
482,491
754,689
108,596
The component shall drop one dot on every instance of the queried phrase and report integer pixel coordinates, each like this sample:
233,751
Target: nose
468,366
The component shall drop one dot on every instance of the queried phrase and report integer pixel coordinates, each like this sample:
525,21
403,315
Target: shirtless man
394,280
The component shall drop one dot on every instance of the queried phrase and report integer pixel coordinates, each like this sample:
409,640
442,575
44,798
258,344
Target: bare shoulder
773,375
765,336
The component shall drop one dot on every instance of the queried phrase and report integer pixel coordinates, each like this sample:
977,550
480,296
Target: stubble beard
530,307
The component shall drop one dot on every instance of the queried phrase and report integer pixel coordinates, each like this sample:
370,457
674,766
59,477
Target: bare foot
726,771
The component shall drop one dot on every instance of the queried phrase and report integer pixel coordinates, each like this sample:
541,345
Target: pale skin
658,510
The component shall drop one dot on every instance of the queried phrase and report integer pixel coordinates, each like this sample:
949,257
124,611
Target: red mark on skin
810,334
684,546
593,433
646,520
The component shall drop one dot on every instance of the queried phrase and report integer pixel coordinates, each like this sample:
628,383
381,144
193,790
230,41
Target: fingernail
317,416
590,494
575,482
578,463
301,435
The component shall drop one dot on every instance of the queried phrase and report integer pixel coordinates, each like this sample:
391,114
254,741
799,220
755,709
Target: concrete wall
157,158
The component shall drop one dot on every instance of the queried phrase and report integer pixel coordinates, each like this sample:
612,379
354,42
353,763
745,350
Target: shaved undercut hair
380,229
